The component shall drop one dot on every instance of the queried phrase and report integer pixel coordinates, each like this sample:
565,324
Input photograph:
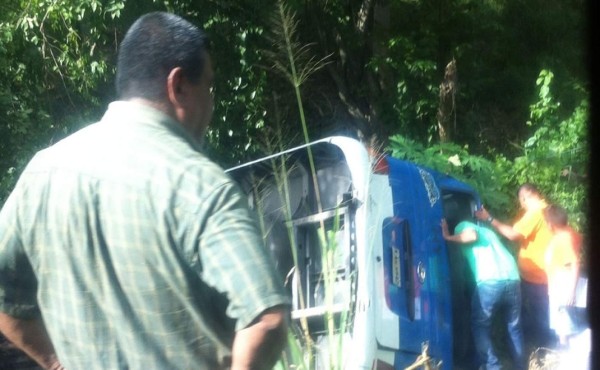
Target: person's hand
482,214
445,231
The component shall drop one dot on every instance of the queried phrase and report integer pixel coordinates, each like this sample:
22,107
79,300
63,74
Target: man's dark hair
556,215
530,188
155,44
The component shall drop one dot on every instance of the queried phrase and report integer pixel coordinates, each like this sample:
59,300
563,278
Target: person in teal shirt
497,290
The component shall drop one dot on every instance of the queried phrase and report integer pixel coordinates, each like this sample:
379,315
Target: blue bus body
396,286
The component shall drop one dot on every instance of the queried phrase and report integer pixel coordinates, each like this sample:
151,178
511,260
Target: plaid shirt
137,250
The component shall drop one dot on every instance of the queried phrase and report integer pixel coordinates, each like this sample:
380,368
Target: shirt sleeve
18,285
463,226
235,260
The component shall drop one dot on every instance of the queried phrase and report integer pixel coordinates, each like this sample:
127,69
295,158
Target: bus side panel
427,315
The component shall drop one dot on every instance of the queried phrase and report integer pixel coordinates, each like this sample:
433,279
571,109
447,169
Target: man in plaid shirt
124,247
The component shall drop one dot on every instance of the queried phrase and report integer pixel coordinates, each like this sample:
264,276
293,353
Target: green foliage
240,87
555,158
54,56
294,357
454,160
385,64
412,103
67,37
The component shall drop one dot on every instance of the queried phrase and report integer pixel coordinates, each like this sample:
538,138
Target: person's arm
506,230
259,345
236,262
572,263
466,236
31,337
573,289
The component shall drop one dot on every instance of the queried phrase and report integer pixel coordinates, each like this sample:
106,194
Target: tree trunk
446,114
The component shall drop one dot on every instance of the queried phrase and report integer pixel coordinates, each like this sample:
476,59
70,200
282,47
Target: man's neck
160,106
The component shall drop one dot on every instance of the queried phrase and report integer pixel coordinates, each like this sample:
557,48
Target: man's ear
175,88
177,94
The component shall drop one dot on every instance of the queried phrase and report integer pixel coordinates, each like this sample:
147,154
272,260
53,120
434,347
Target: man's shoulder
570,237
467,224
199,178
204,169
532,214
71,148
530,221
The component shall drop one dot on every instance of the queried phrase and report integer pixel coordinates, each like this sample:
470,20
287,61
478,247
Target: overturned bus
358,242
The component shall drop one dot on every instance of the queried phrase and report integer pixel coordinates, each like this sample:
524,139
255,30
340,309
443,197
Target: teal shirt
487,256
137,251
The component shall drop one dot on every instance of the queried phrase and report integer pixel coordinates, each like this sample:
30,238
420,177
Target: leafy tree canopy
452,76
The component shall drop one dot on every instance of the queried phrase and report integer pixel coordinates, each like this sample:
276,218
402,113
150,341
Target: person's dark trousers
535,316
491,298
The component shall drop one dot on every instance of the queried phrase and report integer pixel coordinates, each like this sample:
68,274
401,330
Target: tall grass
295,62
